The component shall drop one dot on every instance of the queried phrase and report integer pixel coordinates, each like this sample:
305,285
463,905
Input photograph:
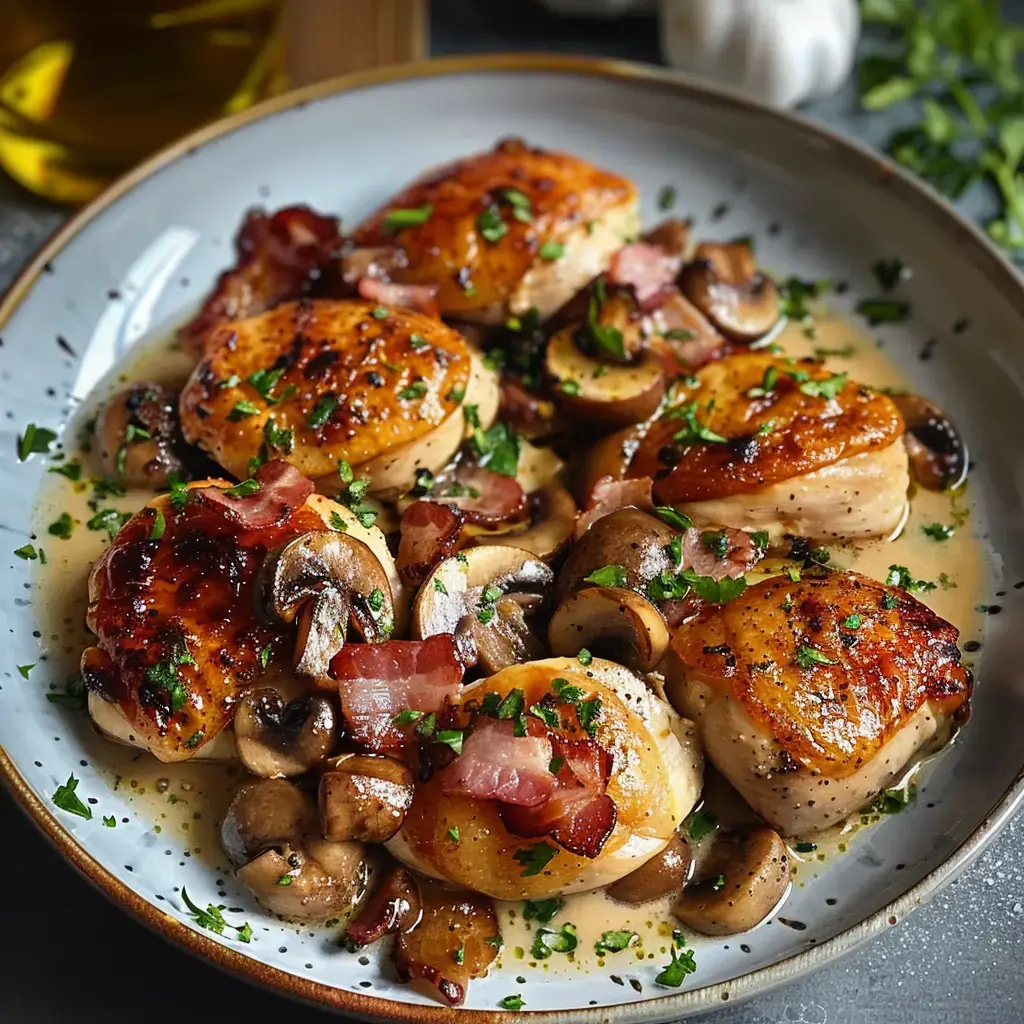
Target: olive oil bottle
90,87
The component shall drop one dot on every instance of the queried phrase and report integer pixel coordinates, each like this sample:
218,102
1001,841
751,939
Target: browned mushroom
394,905
598,391
664,873
482,596
628,538
613,623
139,437
608,458
364,797
742,880
723,282
671,235
278,739
270,830
938,454
323,579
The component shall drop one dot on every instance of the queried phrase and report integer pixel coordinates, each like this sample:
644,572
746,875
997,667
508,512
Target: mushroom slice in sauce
139,437
612,622
724,283
937,452
664,873
278,739
554,513
481,597
608,393
742,880
324,579
364,797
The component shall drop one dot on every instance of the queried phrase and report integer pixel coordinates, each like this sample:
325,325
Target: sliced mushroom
664,873
613,623
278,739
723,282
607,458
456,939
938,454
481,596
611,394
554,513
744,878
364,797
671,235
326,580
270,829
139,436
628,538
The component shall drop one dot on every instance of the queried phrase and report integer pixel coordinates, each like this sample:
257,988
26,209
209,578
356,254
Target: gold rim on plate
962,232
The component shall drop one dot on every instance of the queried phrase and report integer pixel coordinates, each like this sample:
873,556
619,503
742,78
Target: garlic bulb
782,52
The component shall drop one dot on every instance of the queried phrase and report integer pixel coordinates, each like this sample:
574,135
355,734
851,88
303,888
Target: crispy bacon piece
682,336
282,488
523,409
421,297
377,681
495,764
430,531
579,816
276,257
455,939
609,495
393,906
647,269
376,261
485,497
736,555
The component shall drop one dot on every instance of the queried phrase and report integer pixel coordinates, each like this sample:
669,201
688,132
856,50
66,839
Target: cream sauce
187,800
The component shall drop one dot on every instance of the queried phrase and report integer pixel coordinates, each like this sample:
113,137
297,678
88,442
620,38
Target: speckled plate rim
859,157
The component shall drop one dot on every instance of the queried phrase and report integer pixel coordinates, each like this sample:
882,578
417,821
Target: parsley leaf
542,910
938,531
808,657
547,941
35,441
699,824
608,576
67,800
322,411
900,576
694,431
615,942
394,220
682,964
212,919
535,858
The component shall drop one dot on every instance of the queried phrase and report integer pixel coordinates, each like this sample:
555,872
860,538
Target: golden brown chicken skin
508,229
752,420
831,668
321,381
171,602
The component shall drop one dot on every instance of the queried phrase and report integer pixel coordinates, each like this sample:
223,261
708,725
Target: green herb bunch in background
956,64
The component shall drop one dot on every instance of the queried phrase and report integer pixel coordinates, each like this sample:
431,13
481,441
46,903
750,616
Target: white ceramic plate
143,255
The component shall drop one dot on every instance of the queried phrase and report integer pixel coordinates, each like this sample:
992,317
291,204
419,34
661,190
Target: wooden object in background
333,37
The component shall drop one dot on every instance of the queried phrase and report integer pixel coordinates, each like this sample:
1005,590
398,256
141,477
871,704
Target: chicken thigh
813,696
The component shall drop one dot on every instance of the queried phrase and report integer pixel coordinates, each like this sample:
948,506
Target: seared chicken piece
172,604
811,697
500,232
626,773
767,443
324,381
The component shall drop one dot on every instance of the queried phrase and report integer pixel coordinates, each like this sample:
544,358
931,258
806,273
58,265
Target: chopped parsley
548,715
938,531
406,717
682,964
459,955
179,495
615,942
555,765
535,858
245,489
23,670
892,801
608,576
157,530
853,621
453,834
322,411
795,293
27,552
888,273
514,1002
426,726
673,518
551,250
498,448
439,587
417,389
68,800
264,381
379,312
889,601
35,441
108,519
242,409
805,846
522,208
570,387
694,431
337,523
587,711
451,738
542,911
699,824
584,657
565,691
900,576
62,526
490,225
547,941
675,586
666,197
883,311
395,220
72,470
603,336
74,695
827,388
212,919
417,342
767,385
110,821
808,657
278,437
